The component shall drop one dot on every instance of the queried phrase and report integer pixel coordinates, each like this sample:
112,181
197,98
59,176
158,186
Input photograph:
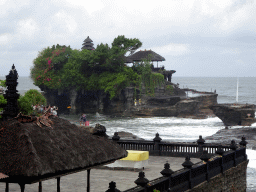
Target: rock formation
164,102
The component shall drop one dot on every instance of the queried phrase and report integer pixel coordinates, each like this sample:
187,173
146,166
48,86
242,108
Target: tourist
41,109
54,112
83,119
56,109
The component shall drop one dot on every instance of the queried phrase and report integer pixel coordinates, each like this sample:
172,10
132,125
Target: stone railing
160,148
192,174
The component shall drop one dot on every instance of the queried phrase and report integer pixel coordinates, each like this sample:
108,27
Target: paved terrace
100,178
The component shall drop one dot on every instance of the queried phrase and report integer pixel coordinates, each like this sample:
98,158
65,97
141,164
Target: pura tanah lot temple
138,57
38,149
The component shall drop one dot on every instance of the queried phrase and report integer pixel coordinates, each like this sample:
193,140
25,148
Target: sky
215,38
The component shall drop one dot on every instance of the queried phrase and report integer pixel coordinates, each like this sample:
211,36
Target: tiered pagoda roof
88,44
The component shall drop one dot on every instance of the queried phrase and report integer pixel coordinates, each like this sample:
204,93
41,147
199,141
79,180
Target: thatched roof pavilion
31,154
140,55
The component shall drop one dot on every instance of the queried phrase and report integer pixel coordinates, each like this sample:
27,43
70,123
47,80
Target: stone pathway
100,178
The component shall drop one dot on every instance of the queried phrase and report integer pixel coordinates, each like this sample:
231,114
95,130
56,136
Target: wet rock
99,130
128,136
226,135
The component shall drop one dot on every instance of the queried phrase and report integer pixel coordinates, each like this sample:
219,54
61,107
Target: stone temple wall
231,180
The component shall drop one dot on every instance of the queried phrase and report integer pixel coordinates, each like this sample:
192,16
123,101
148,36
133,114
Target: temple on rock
153,56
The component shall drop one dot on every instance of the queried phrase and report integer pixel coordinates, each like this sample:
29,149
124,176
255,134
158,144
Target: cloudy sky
196,37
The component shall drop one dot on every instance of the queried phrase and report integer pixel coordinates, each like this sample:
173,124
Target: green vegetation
31,97
2,100
169,88
147,78
2,83
61,67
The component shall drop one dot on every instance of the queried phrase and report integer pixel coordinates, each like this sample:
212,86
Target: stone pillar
200,143
73,95
157,141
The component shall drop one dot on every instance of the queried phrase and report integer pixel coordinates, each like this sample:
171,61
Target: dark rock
235,114
224,136
99,130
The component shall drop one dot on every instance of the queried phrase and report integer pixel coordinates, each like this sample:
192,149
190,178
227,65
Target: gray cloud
196,37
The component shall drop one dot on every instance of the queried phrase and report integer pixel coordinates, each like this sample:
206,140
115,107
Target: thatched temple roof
138,56
28,151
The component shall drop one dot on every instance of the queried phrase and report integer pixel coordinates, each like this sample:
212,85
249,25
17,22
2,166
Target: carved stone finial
220,151
167,171
206,156
243,142
233,145
141,181
157,138
187,164
115,137
200,140
112,187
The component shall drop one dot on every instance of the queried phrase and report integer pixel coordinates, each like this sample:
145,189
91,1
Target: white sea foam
252,158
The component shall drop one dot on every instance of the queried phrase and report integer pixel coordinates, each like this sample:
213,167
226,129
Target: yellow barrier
136,155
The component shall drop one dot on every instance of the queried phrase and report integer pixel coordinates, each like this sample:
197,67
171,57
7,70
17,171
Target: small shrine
140,55
153,56
88,44
11,109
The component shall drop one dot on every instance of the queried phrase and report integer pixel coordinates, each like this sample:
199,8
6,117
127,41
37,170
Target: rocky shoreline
223,136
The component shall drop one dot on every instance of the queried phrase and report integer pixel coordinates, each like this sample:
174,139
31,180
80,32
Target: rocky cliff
165,102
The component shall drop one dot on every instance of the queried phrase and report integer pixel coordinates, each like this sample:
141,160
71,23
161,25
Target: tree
48,66
60,67
31,97
120,47
2,83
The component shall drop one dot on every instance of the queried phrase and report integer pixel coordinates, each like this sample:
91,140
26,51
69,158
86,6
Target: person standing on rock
83,119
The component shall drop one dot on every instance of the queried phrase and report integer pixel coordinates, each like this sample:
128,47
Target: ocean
179,129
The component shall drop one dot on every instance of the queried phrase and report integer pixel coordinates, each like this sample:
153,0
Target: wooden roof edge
36,179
